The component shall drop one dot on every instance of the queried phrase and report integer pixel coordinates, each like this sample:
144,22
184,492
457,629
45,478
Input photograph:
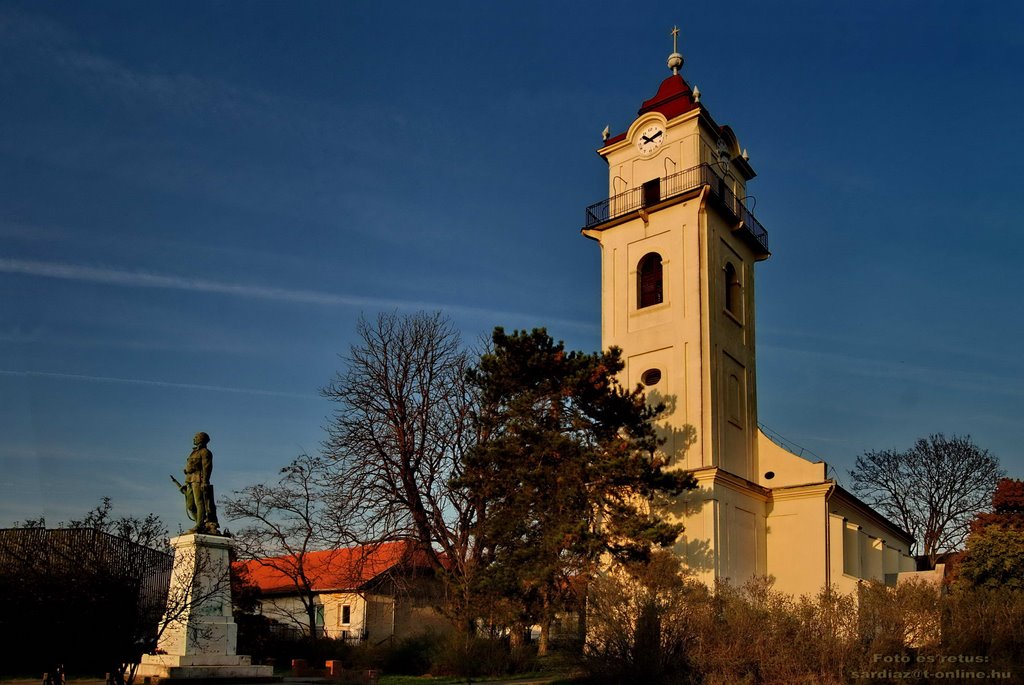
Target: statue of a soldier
198,491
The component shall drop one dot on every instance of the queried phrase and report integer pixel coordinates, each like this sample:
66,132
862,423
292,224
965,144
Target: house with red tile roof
376,592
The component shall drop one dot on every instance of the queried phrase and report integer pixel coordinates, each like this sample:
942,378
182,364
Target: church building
679,248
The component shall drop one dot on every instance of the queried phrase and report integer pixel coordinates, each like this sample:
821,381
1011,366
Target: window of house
319,614
649,280
346,614
733,291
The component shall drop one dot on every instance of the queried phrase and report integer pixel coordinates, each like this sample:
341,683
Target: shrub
753,635
411,656
985,623
282,648
827,633
474,657
902,621
638,627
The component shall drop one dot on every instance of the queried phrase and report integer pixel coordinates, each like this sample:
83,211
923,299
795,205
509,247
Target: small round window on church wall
768,475
651,377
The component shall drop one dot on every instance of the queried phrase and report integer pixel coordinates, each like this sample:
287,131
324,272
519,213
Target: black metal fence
77,596
671,186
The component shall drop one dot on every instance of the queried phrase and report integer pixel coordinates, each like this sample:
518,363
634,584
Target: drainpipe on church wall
828,536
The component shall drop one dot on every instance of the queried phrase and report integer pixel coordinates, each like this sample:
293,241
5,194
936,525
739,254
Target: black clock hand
651,139
646,139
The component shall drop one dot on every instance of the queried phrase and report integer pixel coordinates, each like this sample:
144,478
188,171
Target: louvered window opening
649,277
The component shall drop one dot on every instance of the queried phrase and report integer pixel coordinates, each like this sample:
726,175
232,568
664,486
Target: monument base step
235,680
170,669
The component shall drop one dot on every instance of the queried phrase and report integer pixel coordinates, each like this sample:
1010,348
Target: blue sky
198,200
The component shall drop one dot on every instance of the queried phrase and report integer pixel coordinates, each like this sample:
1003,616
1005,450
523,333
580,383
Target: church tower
679,246
678,251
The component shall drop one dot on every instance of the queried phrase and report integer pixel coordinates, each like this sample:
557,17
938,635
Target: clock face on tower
651,138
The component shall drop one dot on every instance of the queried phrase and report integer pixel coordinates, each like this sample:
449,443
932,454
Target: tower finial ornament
675,60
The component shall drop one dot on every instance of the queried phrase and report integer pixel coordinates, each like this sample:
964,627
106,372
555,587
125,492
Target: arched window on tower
733,291
649,281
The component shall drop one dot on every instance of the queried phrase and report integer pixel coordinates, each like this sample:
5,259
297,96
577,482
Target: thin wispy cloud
57,339
60,338
155,383
40,37
56,452
140,279
29,232
931,341
950,378
186,92
19,336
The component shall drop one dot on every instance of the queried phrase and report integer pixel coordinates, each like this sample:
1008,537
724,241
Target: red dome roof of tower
673,98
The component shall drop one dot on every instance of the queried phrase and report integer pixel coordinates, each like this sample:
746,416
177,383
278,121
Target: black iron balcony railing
659,190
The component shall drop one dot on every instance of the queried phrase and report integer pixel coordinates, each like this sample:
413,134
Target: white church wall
872,550
724,534
796,536
698,546
786,468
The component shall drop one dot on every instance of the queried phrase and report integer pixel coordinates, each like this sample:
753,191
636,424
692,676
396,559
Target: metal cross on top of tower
675,60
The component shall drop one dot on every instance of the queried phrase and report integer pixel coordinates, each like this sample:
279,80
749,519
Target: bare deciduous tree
398,437
285,522
932,489
148,532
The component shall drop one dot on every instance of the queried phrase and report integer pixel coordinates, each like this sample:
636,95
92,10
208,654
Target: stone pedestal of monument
201,636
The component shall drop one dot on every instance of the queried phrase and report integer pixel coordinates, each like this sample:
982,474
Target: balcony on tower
662,192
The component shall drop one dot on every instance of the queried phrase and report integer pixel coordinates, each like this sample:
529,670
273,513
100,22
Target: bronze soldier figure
198,491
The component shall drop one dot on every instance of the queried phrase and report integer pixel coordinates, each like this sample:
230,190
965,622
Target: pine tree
567,463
